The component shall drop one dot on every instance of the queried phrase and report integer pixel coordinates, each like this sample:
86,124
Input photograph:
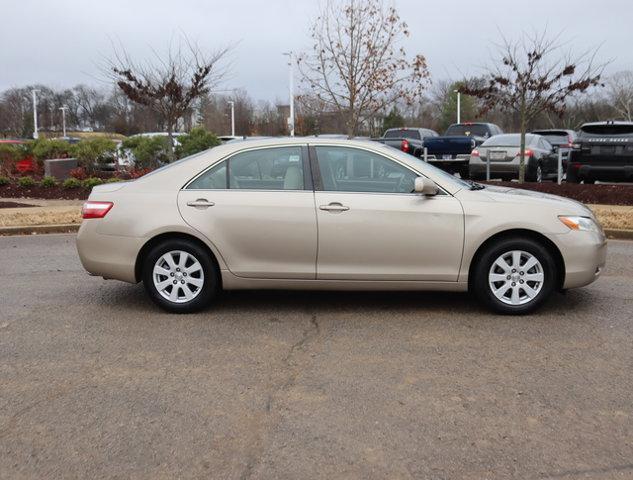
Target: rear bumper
107,256
605,172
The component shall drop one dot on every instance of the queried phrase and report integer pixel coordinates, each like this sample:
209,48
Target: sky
61,43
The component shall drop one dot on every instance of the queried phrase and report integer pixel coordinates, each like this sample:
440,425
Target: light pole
291,119
459,106
63,109
232,103
34,92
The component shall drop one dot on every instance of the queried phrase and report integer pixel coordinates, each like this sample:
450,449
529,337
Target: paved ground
97,383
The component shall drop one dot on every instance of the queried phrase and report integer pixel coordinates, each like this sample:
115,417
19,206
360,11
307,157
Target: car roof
552,131
608,122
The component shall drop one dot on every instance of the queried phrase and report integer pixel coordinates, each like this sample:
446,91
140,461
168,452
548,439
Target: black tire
572,175
532,173
464,173
210,276
480,282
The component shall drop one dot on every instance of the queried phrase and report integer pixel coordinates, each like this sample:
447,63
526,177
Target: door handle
334,207
200,203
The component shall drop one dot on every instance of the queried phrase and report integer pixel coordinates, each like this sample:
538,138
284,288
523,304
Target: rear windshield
468,130
507,140
403,133
608,129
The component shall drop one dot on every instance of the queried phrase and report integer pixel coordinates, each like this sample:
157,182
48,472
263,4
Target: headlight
581,223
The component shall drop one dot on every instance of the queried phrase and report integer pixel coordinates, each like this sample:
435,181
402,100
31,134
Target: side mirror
425,186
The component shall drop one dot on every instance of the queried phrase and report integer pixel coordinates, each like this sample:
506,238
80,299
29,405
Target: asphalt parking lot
95,382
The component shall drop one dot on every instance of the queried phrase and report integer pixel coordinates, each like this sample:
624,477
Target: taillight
528,153
96,209
474,153
404,146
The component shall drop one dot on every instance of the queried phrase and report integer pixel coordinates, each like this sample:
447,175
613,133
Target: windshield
402,133
477,130
507,140
608,129
426,167
556,139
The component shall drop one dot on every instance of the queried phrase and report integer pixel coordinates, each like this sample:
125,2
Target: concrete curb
618,234
613,233
38,229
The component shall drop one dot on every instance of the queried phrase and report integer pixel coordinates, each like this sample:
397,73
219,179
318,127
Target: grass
10,217
617,217
614,216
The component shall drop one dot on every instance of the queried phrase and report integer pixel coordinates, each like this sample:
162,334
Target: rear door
371,225
257,208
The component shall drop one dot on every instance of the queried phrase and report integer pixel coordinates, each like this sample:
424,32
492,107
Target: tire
464,173
535,175
572,176
195,274
515,299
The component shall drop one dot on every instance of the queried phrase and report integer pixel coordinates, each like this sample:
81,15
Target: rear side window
403,133
264,169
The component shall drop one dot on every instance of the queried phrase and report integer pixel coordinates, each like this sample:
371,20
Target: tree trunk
170,140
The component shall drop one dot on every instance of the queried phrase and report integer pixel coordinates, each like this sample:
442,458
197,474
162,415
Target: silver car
312,213
502,152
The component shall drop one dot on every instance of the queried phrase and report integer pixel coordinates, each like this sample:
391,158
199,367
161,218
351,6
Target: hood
565,206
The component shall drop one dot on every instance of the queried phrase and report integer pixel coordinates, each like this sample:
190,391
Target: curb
38,229
618,234
612,233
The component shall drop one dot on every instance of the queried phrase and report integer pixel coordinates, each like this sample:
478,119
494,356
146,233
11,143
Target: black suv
602,151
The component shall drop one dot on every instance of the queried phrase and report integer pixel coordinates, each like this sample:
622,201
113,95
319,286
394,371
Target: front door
257,208
372,227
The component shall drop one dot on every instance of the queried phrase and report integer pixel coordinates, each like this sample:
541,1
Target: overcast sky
59,43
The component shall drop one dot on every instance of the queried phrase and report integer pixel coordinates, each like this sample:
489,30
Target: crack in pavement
264,423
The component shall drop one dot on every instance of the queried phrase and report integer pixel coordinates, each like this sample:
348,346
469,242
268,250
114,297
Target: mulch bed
13,190
14,205
611,194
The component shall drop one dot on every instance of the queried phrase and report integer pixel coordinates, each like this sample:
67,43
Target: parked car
503,152
298,213
409,140
451,152
602,151
561,140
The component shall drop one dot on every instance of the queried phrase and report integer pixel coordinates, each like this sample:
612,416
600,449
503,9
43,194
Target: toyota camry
299,213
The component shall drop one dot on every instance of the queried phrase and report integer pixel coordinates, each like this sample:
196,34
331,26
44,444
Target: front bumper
584,255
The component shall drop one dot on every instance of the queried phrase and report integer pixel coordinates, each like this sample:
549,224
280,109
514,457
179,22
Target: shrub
89,153
9,154
139,172
79,173
91,182
197,140
4,181
45,149
71,183
148,152
48,182
26,182
114,180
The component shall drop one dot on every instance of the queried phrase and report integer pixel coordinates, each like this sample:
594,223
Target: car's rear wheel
514,275
179,276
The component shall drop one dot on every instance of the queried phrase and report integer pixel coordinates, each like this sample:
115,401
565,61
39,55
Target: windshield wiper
475,185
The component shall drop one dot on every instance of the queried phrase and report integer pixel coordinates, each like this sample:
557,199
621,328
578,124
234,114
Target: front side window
264,169
345,169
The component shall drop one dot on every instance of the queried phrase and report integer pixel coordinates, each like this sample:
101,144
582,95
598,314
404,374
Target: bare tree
620,93
356,66
170,84
533,75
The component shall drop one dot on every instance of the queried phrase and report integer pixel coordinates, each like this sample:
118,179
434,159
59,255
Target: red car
25,165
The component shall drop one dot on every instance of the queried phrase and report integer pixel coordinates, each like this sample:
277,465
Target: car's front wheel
179,276
514,275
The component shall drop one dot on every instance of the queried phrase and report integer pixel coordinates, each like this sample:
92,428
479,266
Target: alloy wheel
178,276
516,277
